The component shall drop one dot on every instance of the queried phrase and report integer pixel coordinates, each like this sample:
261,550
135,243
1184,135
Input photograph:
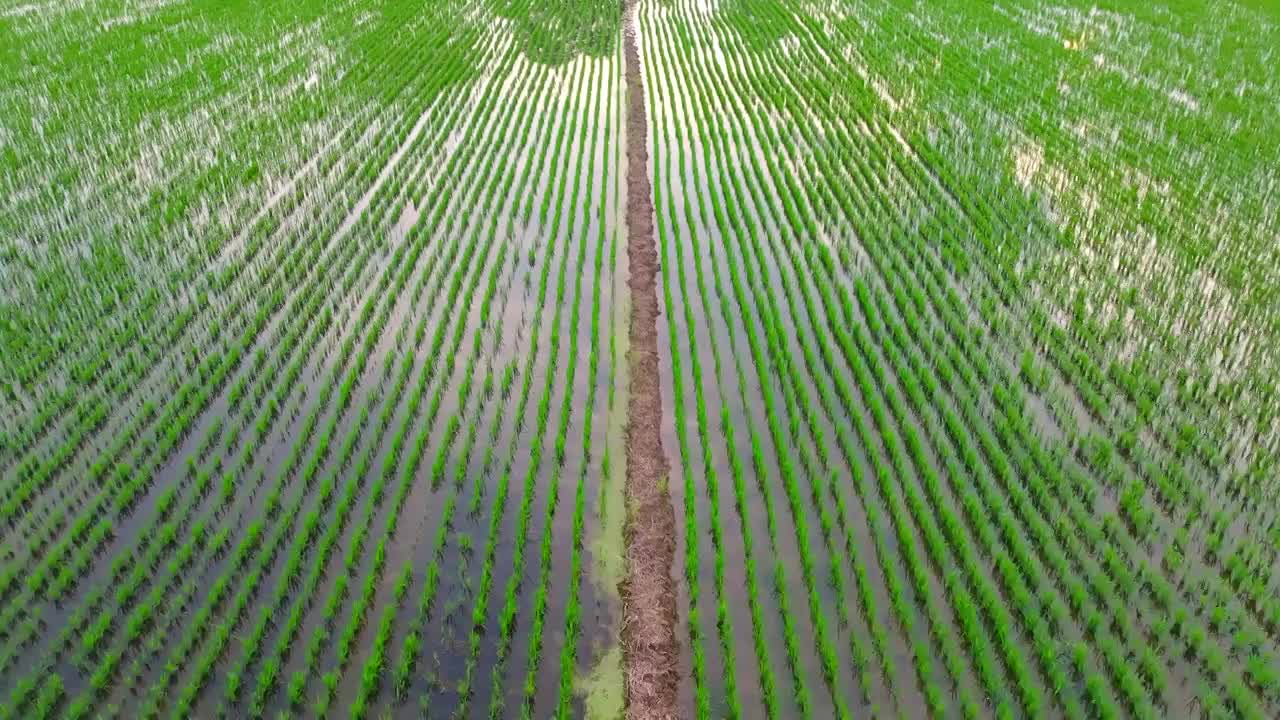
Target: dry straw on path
650,650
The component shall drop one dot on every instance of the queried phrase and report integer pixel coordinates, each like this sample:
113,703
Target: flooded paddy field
349,351
972,325
313,322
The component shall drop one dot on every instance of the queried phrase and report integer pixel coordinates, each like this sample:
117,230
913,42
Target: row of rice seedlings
117,368
828,656
373,330
510,610
737,469
229,488
273,665
827,522
579,224
1166,494
130,586
268,676
1143,403
128,489
126,440
978,516
798,392
1152,671
873,324
231,315
573,612
1166,212
297,447
669,235
480,607
151,325
412,643
825,653
373,665
1125,532
197,630
692,562
938,627
412,640
928,476
428,284
271,372
220,94
373,669
1148,470
1138,454
1133,511
361,603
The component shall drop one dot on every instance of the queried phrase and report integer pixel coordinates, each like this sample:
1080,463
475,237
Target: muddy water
270,578
419,497
272,456
676,216
155,375
591,204
473,527
772,283
557,521
1175,673
859,521
152,387
599,681
311,373
172,471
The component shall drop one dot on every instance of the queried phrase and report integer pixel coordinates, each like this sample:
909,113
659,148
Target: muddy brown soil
650,650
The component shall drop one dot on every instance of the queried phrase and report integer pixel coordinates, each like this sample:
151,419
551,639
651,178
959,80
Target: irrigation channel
658,359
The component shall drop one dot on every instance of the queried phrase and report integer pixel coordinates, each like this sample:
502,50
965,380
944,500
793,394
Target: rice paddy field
666,358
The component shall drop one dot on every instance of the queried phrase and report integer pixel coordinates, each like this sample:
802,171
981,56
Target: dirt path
650,650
